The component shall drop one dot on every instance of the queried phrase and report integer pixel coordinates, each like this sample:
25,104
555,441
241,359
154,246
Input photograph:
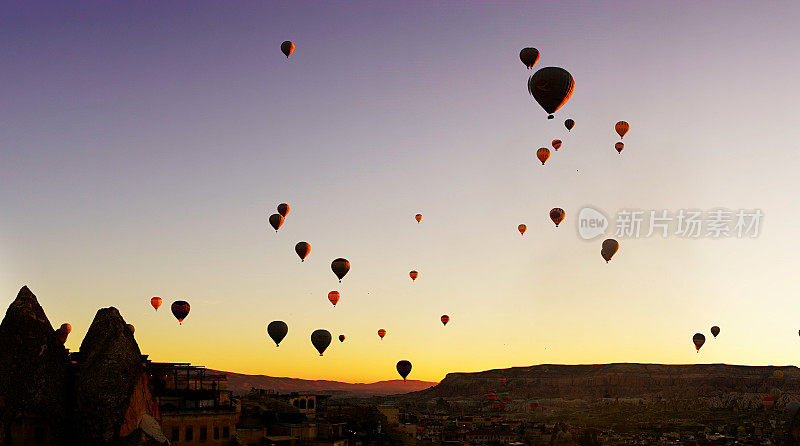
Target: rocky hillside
240,384
618,381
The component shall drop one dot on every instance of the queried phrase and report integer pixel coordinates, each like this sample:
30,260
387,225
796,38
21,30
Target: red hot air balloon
66,327
381,333
557,215
619,146
333,296
522,228
445,319
155,302
543,154
413,274
287,48
180,309
62,335
556,144
622,128
418,218
131,328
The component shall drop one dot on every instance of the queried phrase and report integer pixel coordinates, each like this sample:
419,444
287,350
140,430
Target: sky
143,145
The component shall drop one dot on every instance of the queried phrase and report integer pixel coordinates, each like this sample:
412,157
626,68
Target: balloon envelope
403,368
413,275
552,88
418,217
302,249
381,333
610,247
529,56
276,220
556,144
155,302
283,209
341,338
287,48
619,146
698,339
180,309
445,319
522,229
340,267
622,128
333,296
277,330
543,154
569,124
131,328
321,340
66,327
715,331
62,335
557,215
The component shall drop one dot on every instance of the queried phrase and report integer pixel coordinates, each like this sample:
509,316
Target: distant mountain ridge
618,380
241,383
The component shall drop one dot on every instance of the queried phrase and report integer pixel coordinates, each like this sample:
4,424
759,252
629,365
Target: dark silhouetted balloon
556,144
131,328
155,302
321,340
610,247
418,217
529,56
445,319
403,368
715,331
522,228
66,327
569,124
341,338
543,154
413,275
619,146
287,48
333,296
277,330
622,128
180,309
276,220
340,267
62,335
698,339
283,209
557,215
778,375
552,88
302,249
381,333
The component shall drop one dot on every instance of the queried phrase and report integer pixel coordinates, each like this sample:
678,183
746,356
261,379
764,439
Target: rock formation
33,370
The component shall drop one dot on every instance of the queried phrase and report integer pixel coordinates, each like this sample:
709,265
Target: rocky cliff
33,371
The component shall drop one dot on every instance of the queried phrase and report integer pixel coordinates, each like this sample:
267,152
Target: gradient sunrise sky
144,144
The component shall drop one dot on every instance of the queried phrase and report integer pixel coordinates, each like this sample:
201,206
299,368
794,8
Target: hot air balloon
551,87
340,267
381,333
569,124
556,144
341,338
287,48
180,309
62,335
277,331
778,375
715,331
403,368
131,328
522,229
543,154
321,340
418,217
66,327
155,302
445,319
333,296
699,339
276,220
622,128
619,146
302,249
413,274
768,402
610,247
557,215
283,209
529,57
